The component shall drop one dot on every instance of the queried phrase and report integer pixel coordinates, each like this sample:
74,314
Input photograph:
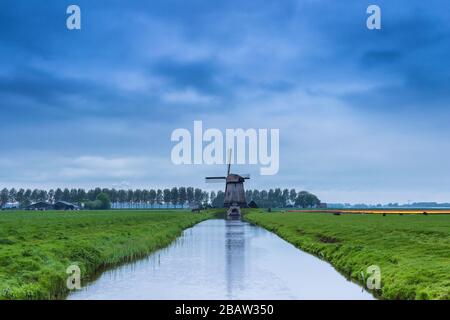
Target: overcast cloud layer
363,115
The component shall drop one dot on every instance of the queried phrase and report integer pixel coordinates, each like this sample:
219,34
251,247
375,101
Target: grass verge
412,251
37,247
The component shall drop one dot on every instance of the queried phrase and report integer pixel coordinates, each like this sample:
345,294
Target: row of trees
175,196
277,198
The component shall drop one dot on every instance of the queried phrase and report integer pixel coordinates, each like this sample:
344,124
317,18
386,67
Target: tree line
273,198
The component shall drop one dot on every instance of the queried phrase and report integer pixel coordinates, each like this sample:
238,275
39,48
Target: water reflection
224,259
235,256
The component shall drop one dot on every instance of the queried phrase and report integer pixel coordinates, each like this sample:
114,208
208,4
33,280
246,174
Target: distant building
40,205
11,205
59,205
253,204
63,205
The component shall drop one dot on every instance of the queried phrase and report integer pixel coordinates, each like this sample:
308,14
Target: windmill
234,187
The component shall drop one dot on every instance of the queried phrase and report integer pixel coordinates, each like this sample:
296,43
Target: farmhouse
10,205
40,205
63,205
59,205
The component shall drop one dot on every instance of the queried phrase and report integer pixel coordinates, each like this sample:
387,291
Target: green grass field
413,251
37,247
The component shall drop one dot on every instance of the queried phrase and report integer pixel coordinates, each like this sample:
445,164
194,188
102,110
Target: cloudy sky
363,115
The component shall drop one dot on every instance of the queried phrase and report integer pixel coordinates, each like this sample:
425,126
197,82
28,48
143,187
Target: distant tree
159,197
93,205
102,202
58,194
35,195
113,194
313,200
97,191
248,195
137,196
122,196
278,198
285,197
174,196
306,200
4,196
42,195
190,195
12,195
107,191
152,197
91,195
105,200
301,199
51,196
130,196
256,196
271,201
81,195
146,196
292,195
264,199
27,198
20,196
219,200
73,195
167,197
198,196
182,195
66,195
212,198
205,198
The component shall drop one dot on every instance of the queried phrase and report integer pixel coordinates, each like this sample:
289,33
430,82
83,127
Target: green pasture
413,251
36,247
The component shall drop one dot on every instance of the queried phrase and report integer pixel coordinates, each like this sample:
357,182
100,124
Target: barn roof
66,203
39,203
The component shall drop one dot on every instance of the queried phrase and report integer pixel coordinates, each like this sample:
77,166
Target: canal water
224,259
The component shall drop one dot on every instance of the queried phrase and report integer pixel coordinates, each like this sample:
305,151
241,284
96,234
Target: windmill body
234,191
234,187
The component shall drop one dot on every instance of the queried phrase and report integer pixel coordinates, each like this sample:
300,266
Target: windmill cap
234,178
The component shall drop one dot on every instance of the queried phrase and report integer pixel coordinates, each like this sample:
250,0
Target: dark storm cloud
41,87
198,75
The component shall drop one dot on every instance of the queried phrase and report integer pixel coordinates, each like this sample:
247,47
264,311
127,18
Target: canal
224,259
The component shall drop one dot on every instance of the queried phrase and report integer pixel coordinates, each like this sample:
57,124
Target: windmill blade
215,179
245,176
229,161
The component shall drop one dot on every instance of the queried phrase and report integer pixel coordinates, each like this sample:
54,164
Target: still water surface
224,259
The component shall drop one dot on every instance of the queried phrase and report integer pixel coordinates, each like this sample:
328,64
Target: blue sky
363,115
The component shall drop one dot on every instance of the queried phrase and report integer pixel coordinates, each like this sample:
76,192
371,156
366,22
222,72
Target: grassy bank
413,251
37,247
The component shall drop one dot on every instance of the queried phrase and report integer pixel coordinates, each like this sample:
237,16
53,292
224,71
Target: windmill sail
215,179
229,162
